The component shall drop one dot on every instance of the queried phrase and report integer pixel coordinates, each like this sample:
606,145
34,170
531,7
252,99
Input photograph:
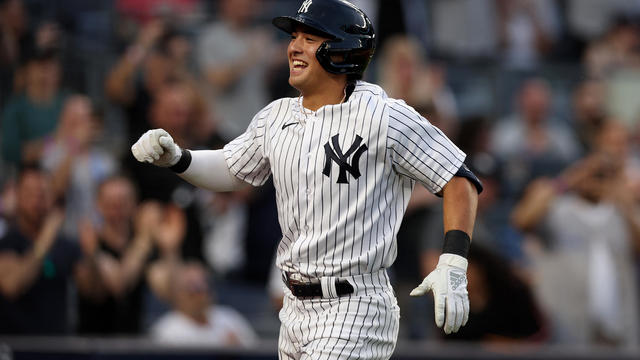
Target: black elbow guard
464,172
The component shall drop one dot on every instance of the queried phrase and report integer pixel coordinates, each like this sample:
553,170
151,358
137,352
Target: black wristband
456,242
183,163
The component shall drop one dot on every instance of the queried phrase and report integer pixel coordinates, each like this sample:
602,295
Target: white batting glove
449,285
156,147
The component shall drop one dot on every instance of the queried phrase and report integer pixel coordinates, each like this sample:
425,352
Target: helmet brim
288,24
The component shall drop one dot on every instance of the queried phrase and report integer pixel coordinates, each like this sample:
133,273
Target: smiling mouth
299,64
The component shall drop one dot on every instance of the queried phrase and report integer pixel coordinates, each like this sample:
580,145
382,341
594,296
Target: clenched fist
156,147
449,285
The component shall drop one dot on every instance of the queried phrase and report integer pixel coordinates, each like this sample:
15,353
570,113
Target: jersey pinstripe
343,176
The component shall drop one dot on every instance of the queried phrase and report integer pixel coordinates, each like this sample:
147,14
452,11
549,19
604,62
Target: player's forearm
209,170
460,201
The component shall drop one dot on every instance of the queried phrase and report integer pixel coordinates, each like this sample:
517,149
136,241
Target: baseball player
344,159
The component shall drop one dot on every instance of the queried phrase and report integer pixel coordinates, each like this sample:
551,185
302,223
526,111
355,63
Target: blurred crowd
542,96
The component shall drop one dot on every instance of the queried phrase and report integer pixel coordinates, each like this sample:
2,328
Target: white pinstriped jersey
343,176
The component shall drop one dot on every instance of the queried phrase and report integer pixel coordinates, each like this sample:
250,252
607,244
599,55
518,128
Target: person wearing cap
344,158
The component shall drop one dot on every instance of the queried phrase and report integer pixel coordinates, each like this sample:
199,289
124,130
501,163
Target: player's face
305,72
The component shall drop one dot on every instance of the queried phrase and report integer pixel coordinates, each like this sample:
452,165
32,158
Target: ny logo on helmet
336,155
305,6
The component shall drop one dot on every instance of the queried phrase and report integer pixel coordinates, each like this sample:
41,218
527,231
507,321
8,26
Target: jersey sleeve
420,150
245,155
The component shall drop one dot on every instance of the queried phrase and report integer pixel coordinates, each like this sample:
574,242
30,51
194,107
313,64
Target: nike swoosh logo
289,124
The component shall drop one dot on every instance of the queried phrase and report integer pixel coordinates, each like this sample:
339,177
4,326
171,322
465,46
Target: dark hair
171,33
114,178
28,168
35,53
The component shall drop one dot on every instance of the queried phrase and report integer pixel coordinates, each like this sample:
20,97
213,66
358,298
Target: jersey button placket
306,192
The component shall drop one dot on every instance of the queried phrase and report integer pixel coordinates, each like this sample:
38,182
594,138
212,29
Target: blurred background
104,257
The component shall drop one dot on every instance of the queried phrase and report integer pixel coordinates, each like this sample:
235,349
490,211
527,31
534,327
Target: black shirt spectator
112,314
502,305
42,309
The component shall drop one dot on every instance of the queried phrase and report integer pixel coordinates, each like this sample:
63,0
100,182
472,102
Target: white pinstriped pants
363,325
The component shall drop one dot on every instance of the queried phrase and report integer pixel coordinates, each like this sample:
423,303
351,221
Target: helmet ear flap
339,60
330,60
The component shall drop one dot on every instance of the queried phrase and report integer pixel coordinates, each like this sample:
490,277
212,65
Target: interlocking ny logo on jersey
305,6
335,154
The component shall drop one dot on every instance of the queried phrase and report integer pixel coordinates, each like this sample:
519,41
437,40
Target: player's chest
333,149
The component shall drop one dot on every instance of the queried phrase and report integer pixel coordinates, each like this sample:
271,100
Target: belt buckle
296,286
289,281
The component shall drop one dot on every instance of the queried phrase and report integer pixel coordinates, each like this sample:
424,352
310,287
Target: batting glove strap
453,260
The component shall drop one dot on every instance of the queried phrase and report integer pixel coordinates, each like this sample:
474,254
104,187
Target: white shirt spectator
219,46
225,327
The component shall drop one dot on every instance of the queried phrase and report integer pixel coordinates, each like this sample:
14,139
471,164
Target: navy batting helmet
349,30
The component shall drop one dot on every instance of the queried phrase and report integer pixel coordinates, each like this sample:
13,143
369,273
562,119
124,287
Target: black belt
314,289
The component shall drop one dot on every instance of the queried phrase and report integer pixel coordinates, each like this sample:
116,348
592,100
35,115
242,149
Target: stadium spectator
617,50
142,12
195,319
234,56
30,116
589,112
530,142
527,31
477,40
158,56
168,237
503,308
36,263
404,74
588,20
176,105
15,39
122,246
75,161
584,233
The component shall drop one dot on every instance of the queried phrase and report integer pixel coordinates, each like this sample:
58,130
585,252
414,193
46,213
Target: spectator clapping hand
170,232
49,232
148,217
88,237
